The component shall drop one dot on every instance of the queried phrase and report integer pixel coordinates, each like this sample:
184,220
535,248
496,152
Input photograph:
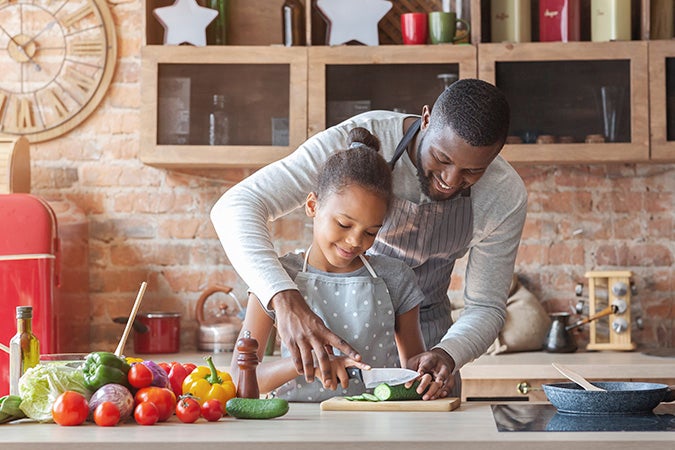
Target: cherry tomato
107,414
187,409
70,408
212,410
146,413
163,398
140,376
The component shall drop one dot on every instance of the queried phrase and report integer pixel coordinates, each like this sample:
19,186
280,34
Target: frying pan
618,397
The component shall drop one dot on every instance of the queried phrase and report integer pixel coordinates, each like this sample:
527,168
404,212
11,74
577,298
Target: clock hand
22,49
46,28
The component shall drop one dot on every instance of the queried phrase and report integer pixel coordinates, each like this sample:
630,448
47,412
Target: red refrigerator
29,261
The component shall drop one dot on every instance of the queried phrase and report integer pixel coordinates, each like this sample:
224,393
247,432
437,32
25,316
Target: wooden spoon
132,316
578,379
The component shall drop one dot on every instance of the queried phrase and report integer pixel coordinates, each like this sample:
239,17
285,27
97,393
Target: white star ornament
185,21
353,20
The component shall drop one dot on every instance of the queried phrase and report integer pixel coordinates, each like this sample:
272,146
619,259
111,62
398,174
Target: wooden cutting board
342,404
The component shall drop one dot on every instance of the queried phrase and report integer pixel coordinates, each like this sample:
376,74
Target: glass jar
219,130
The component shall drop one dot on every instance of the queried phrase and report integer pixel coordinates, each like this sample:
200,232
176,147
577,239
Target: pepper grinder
247,360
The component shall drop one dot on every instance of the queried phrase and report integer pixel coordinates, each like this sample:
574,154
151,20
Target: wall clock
57,58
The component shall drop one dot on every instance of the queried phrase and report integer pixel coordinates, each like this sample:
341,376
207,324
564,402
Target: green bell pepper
102,368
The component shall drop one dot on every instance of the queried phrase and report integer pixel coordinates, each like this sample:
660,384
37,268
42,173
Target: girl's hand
339,366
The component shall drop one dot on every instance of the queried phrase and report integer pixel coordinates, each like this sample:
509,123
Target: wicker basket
390,25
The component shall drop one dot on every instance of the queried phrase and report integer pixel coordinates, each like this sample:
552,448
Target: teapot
218,333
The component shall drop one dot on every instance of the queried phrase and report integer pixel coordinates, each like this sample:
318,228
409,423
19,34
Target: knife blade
373,377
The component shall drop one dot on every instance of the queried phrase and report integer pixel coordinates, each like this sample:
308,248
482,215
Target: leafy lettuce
40,386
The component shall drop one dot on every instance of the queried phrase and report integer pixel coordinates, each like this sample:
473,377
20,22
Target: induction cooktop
544,417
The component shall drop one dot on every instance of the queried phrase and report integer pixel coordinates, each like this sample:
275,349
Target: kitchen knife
373,377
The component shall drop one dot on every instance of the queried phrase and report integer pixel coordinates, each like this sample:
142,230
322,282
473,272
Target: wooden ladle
578,379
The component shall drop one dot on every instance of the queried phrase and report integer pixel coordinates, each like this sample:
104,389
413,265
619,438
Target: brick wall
145,223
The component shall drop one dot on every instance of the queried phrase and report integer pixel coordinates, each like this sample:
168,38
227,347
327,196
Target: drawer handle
525,388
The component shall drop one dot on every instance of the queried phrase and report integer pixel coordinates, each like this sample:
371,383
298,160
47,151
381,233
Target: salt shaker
247,360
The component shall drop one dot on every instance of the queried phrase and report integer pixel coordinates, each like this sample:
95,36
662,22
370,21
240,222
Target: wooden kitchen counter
497,377
306,427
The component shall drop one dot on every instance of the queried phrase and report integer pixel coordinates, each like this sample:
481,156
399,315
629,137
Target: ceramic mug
414,28
443,27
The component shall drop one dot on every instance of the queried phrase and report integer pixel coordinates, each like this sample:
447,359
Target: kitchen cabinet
346,80
519,376
662,99
265,90
564,97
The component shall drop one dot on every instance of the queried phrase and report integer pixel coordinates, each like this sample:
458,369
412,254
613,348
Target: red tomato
165,366
163,398
140,376
146,413
187,409
212,410
107,414
70,408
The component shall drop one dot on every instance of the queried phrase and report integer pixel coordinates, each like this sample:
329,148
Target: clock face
57,58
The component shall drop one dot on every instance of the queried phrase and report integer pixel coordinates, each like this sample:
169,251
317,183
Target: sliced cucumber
370,397
256,408
386,392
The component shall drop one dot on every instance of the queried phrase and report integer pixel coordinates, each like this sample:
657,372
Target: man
453,194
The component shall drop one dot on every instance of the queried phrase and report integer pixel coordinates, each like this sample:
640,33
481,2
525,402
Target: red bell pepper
177,373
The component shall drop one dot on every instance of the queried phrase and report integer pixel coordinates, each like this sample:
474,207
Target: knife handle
354,373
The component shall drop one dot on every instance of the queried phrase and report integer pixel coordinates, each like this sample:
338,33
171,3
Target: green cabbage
40,386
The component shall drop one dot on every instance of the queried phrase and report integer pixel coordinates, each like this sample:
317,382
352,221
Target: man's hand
440,365
302,332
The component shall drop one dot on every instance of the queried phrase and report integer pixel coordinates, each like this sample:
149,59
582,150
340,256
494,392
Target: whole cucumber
256,408
9,408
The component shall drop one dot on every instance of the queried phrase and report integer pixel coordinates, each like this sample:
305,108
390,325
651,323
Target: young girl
372,302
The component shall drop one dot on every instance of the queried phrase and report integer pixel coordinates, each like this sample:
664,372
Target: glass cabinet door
222,106
578,102
662,99
345,81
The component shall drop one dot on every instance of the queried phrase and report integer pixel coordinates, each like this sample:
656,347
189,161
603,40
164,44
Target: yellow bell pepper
206,383
131,359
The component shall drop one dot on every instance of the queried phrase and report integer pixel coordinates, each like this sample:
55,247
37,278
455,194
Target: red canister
559,20
162,335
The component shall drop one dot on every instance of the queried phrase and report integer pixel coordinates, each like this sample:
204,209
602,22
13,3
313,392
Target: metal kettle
219,332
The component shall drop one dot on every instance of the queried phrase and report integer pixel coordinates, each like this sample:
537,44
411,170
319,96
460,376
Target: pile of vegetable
108,390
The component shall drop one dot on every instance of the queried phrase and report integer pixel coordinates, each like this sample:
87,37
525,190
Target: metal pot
163,333
619,398
218,332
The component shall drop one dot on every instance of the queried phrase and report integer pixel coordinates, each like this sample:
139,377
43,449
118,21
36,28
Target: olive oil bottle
24,348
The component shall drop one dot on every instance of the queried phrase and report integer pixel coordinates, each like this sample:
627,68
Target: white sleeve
240,217
488,276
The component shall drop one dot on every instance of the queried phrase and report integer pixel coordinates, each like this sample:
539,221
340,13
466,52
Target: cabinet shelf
264,86
557,87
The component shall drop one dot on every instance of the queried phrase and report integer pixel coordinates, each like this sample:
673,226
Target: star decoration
353,20
185,21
